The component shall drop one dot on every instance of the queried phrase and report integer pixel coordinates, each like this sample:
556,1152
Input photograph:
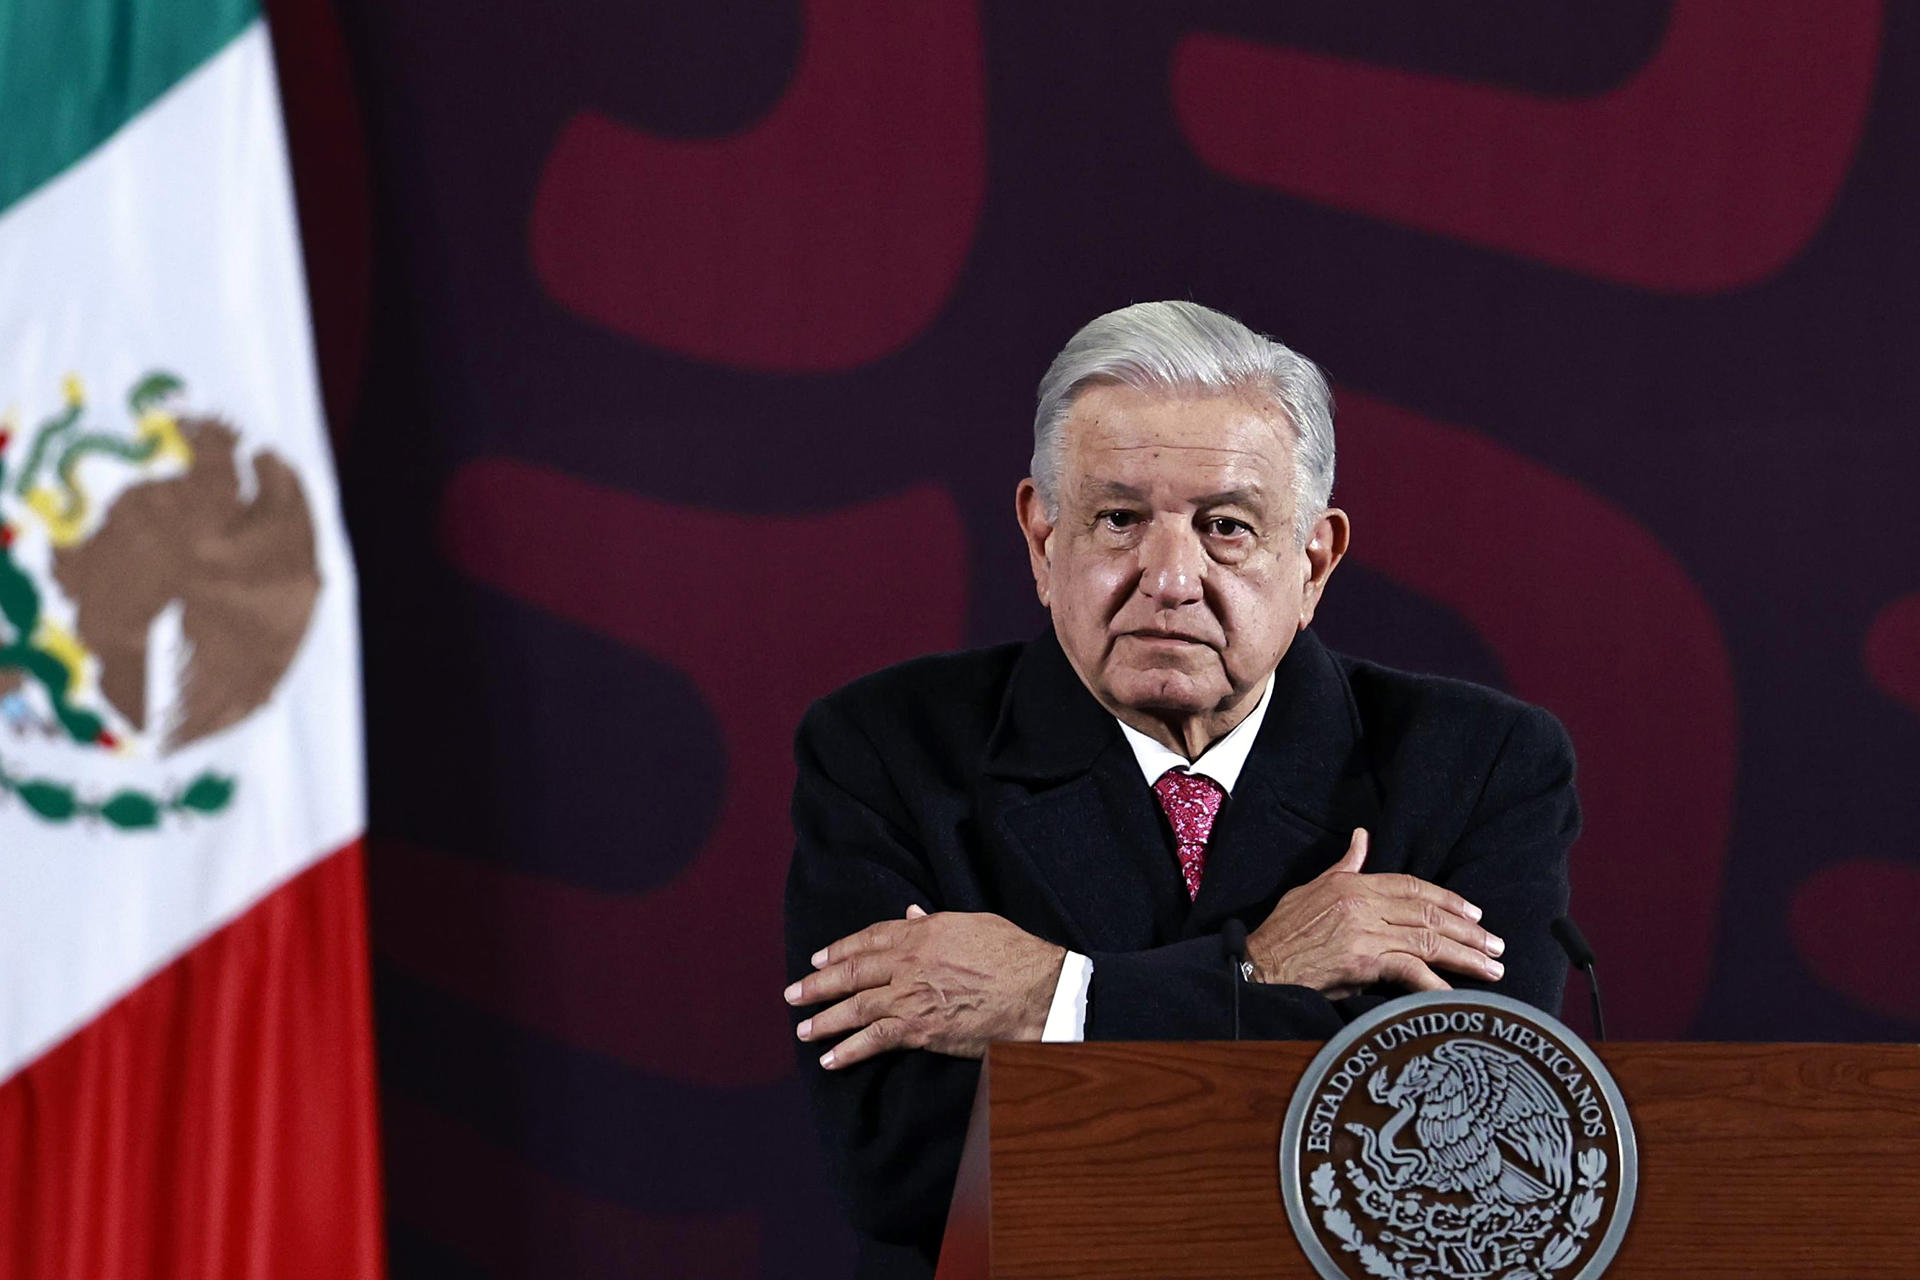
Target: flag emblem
156,580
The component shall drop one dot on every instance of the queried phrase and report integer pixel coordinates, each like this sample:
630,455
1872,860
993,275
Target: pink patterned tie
1191,801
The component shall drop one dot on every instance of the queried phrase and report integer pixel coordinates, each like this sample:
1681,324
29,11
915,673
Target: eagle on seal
1487,1123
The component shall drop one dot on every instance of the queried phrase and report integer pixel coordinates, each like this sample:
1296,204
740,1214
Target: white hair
1183,346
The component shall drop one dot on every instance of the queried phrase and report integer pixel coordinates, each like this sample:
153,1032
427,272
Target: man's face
1172,569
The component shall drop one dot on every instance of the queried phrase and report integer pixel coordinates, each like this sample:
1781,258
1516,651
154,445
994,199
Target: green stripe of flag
73,71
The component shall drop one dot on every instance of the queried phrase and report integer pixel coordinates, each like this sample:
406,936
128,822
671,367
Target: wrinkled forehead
1120,433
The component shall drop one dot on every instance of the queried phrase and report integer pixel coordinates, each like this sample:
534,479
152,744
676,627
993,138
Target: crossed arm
955,982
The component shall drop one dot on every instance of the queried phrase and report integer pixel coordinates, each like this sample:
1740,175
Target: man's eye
1227,527
1119,519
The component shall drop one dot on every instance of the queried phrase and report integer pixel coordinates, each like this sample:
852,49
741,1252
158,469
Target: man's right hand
1341,932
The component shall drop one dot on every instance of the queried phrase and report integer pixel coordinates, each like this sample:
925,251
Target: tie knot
1189,793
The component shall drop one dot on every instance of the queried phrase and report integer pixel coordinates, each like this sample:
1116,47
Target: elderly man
1045,841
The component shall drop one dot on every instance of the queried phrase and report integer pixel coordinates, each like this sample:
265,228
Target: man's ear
1037,529
1326,544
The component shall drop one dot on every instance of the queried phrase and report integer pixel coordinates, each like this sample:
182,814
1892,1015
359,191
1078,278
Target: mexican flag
186,1069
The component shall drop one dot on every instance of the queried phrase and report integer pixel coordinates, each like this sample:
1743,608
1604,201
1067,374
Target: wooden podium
1159,1161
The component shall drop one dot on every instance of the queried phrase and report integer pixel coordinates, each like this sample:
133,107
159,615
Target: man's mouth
1174,637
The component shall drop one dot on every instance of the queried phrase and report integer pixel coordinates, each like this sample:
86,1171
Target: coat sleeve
892,1126
1510,860
1185,991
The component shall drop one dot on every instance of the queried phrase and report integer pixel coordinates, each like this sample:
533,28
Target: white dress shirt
1223,761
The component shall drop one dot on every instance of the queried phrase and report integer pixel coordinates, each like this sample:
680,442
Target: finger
856,973
1356,855
851,1014
868,1042
875,937
1395,885
1426,915
1411,972
1434,948
915,913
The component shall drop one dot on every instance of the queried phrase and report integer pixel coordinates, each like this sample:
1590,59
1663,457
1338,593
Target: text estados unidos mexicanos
1366,1057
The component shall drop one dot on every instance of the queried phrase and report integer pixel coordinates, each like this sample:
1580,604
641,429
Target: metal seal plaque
1458,1135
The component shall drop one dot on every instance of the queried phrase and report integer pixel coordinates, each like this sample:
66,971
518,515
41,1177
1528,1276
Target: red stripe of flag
216,1122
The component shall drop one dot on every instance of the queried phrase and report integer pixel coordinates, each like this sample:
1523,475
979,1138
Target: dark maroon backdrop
681,359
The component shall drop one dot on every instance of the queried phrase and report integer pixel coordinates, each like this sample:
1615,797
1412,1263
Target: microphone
1574,943
1233,936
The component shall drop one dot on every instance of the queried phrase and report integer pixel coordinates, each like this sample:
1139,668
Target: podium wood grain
1157,1161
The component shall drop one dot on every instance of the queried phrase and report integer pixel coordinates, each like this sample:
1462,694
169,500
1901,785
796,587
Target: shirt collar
1222,761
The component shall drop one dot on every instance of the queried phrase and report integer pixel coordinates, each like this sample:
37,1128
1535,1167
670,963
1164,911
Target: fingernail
793,993
820,956
826,1059
804,1029
1473,912
1496,945
1495,968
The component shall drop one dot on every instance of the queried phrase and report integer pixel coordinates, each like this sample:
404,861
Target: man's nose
1172,566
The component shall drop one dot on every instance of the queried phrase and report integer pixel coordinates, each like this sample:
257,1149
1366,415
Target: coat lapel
1067,803
1305,787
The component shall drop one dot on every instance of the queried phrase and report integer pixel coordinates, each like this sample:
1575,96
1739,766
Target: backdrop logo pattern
671,343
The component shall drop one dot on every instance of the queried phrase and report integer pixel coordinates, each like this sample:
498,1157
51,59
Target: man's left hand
952,982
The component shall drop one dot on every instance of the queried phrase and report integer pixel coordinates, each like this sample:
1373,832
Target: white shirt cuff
1067,1015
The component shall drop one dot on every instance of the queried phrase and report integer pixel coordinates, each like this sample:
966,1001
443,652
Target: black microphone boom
1574,943
1233,937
